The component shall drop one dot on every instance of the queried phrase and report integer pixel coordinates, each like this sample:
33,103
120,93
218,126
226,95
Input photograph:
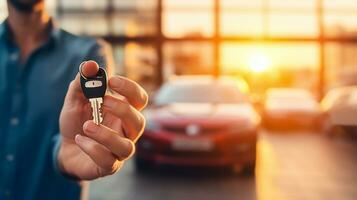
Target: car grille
192,154
203,130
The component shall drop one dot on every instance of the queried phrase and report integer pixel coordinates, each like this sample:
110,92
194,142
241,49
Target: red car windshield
199,93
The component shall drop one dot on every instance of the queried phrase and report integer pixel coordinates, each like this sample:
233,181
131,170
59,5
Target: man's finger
133,120
122,147
98,153
113,122
132,91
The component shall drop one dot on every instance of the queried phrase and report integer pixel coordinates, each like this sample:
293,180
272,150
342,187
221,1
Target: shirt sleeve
57,142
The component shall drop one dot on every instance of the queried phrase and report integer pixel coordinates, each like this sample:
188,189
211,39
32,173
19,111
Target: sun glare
258,62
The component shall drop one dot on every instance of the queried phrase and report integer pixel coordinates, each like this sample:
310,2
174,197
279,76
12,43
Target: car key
94,89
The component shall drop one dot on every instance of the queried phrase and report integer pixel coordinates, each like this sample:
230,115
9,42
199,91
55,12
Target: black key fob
94,87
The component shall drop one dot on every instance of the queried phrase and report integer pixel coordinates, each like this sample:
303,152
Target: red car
200,121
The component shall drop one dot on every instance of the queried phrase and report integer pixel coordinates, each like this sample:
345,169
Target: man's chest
35,91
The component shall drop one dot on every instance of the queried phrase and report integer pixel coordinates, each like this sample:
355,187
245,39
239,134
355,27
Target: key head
94,87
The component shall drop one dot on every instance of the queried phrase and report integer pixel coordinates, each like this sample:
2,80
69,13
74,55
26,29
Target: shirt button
14,121
14,56
10,157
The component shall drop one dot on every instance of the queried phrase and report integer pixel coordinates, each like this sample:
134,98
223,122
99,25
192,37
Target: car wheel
142,165
338,131
350,132
236,169
249,170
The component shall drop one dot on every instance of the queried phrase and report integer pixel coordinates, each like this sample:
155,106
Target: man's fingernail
81,65
78,138
109,102
116,82
91,127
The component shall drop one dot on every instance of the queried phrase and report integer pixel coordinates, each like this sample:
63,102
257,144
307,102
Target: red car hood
202,114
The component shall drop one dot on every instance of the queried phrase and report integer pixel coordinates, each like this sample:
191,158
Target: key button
93,84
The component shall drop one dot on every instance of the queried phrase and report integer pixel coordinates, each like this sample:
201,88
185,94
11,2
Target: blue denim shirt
31,98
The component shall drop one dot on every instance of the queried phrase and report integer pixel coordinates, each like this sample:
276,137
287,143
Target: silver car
291,108
340,109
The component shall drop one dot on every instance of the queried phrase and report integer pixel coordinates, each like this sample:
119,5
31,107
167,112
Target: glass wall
154,38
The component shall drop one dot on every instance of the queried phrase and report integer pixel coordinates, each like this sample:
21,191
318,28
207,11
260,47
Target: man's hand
89,151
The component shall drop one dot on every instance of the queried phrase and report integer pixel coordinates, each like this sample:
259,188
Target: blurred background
154,39
263,87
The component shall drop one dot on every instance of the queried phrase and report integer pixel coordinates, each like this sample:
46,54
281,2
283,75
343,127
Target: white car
290,108
340,108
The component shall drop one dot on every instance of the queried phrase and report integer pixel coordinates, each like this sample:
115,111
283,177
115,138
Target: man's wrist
61,166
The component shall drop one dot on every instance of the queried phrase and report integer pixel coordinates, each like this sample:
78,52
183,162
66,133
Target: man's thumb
88,69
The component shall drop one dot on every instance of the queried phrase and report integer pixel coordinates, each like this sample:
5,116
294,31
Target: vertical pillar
216,38
265,15
159,43
321,39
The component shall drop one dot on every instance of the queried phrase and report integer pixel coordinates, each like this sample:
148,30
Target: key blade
96,104
93,104
99,111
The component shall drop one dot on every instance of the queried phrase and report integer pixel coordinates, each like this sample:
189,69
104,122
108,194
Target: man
48,143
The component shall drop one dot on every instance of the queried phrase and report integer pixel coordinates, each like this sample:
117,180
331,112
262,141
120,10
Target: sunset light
258,62
202,99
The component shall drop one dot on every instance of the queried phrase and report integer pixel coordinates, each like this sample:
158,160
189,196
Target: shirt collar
4,30
55,31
